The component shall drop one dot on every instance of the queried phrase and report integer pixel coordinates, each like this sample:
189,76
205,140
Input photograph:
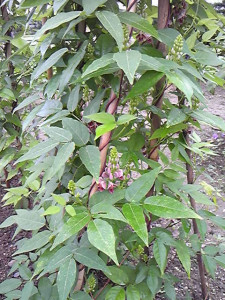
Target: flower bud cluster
175,52
141,253
113,176
89,53
137,100
86,93
90,284
71,187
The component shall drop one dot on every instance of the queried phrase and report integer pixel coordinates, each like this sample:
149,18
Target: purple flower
110,187
119,174
101,184
215,136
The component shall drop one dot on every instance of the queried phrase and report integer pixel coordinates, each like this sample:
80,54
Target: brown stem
190,180
163,17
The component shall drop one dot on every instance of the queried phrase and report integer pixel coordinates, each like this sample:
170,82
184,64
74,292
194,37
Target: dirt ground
213,174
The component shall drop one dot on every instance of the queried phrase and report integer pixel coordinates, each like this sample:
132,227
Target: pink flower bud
101,184
110,187
119,174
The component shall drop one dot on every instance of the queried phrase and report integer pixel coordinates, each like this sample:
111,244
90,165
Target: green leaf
138,22
209,118
115,293
89,7
8,222
169,290
117,275
163,131
61,158
94,105
140,187
45,288
184,256
6,159
66,278
160,254
27,291
79,131
29,219
168,208
221,260
51,210
7,94
74,225
97,64
106,198
90,259
73,98
102,117
175,116
9,285
201,198
132,293
102,129
56,21
73,62
112,24
58,134
27,101
80,296
153,280
135,217
182,82
59,258
125,119
208,58
36,242
101,236
128,61
70,210
148,80
39,150
56,117
90,157
105,210
210,265
59,199
48,63
58,4
32,3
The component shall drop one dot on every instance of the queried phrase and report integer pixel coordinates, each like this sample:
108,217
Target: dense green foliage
79,92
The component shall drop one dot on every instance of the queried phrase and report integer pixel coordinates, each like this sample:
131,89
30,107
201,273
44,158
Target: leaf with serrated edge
101,236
